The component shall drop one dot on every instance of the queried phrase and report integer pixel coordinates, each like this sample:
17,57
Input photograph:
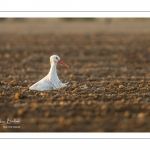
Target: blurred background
74,25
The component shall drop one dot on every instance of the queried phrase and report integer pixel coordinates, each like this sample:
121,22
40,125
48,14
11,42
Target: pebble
61,118
89,102
83,102
140,85
122,100
75,90
121,86
42,94
84,87
47,114
126,113
17,96
61,98
68,122
20,111
61,103
34,106
141,115
3,93
104,107
79,118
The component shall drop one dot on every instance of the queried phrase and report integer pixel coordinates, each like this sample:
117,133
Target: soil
108,90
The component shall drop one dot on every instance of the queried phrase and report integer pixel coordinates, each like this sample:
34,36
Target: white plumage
51,81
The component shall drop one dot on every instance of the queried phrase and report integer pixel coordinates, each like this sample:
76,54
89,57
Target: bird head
56,59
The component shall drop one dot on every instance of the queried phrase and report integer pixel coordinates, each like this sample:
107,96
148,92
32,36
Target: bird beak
63,63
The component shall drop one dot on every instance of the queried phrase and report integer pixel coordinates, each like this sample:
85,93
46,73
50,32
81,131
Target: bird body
51,80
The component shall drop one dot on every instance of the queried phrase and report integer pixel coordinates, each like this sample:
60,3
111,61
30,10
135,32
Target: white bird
51,81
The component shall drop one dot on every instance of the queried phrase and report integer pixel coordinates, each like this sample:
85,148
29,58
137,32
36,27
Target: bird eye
56,57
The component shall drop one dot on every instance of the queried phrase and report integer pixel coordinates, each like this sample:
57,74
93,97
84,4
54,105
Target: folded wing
42,85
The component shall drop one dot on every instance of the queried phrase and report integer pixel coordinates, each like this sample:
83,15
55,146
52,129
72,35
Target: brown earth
108,90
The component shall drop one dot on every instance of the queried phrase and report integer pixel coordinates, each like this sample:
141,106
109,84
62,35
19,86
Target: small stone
138,99
3,93
42,94
47,114
121,86
68,122
89,102
122,100
61,98
78,118
103,107
75,90
141,115
61,103
24,90
17,96
84,87
83,102
148,107
20,111
71,75
126,113
142,81
7,55
95,96
140,85
34,106
61,118
143,106
148,49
